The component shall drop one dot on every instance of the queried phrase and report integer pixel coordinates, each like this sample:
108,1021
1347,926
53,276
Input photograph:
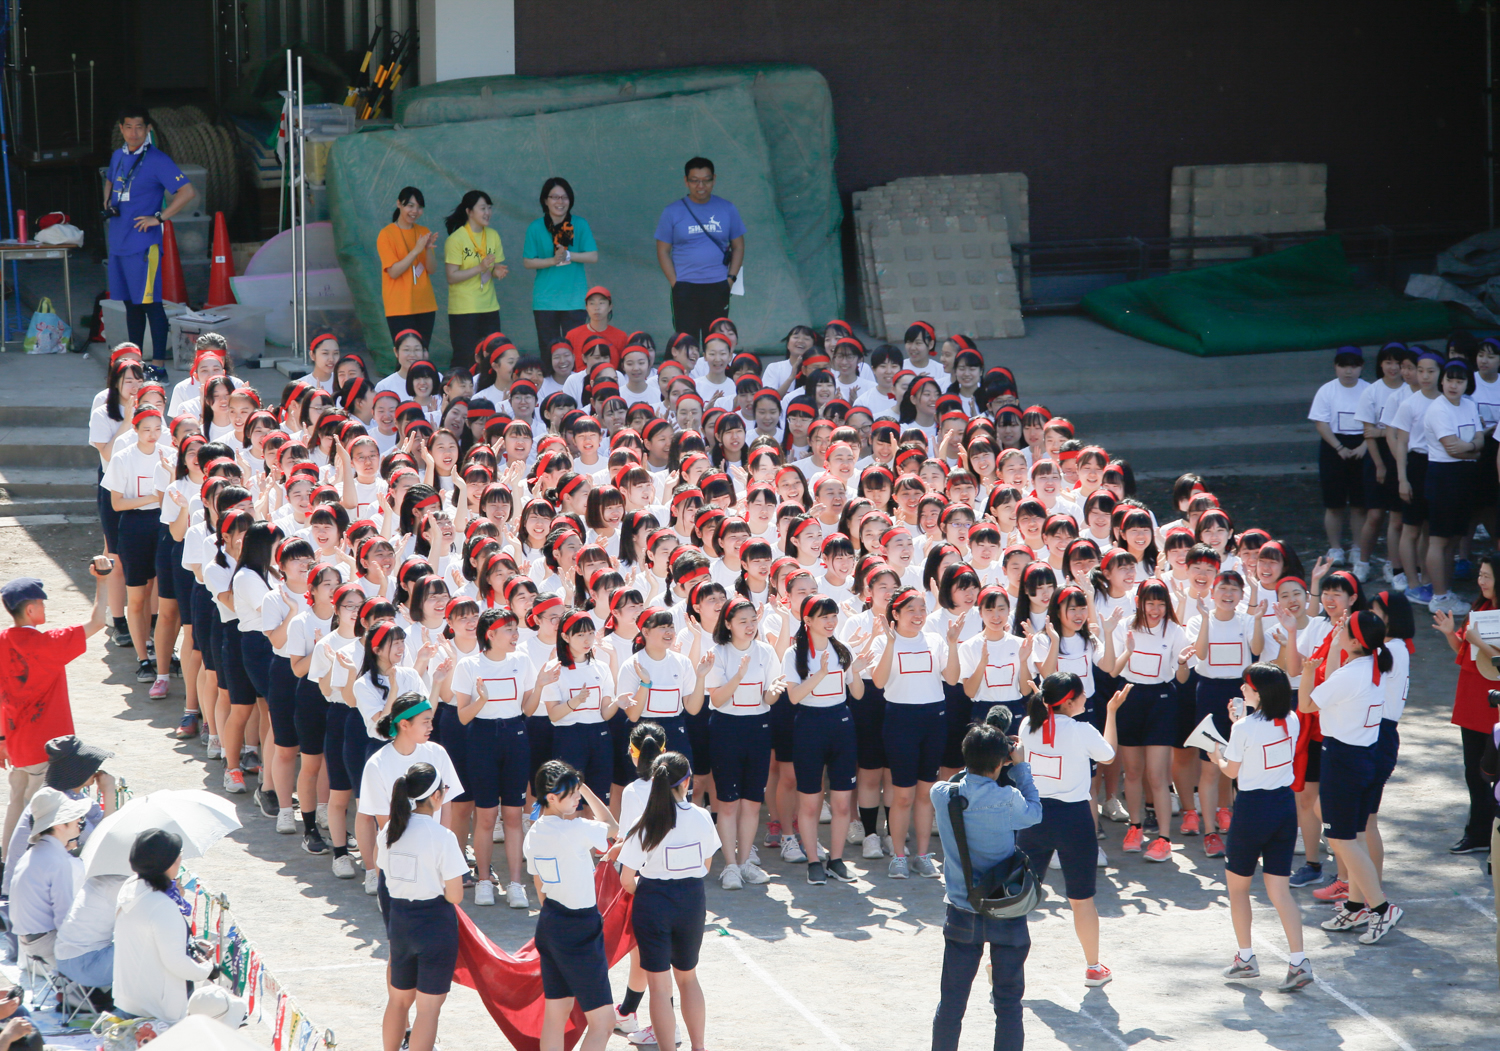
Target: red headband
1359,637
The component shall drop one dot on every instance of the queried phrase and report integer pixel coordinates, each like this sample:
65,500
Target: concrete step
43,416
46,447
76,486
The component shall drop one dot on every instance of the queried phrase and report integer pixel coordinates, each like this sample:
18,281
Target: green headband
416,709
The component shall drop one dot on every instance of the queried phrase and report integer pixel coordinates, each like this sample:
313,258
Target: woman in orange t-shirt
407,258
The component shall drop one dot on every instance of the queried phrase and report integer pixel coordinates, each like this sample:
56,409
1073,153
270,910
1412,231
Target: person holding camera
138,178
700,246
998,800
156,960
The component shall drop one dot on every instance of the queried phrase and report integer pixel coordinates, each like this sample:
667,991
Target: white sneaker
215,749
625,1025
753,874
498,835
343,867
791,850
1380,925
825,816
754,858
887,847
872,848
515,896
856,832
286,821
1398,582
1361,571
372,881
322,819
1103,861
1115,810
234,781
1299,848
730,878
1454,605
1176,804
1055,865
484,893
1387,573
1335,554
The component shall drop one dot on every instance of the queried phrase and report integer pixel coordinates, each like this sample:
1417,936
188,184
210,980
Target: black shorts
256,652
1386,495
466,331
1486,478
136,545
539,732
570,949
1414,511
168,554
109,519
1068,829
185,586
960,711
698,733
1351,791
205,619
1187,707
869,727
783,717
1342,480
1450,497
231,664
667,917
823,738
335,726
424,945
311,718
1264,830
1149,716
1387,747
499,758
914,738
449,731
281,702
358,747
739,748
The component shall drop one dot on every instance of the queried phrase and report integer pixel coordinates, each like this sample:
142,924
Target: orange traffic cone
173,285
222,269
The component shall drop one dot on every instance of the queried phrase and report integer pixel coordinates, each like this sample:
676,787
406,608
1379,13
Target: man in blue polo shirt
139,177
700,246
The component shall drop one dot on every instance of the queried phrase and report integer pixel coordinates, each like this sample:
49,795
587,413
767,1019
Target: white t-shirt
369,701
324,662
633,804
102,429
1397,681
684,853
422,861
249,591
590,676
1073,655
1350,705
672,678
1487,398
829,691
133,474
1002,673
1338,406
216,579
1393,401
274,607
1264,751
303,633
1411,418
749,696
916,668
1228,645
558,852
1154,658
1372,401
505,682
382,769
939,619
1061,769
1443,419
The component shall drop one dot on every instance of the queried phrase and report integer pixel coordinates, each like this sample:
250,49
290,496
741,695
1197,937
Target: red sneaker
1096,975
1222,816
1160,849
1338,890
1133,838
1191,824
1213,845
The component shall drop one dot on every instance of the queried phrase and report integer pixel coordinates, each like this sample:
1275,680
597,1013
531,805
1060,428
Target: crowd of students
412,606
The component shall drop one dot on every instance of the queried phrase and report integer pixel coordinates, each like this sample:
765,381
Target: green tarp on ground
613,156
792,104
1301,298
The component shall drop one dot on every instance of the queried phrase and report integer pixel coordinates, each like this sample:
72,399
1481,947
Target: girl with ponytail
329,675
663,861
421,892
579,694
1060,745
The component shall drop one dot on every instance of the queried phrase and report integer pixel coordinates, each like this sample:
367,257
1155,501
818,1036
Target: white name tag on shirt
663,702
1004,675
499,689
401,867
748,695
1348,423
1044,765
1278,753
685,858
1146,665
547,869
1373,714
911,663
1226,654
1466,432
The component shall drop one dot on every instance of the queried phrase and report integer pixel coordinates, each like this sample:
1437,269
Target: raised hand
1121,695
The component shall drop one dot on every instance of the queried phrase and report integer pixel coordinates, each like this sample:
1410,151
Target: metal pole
302,211
77,121
291,189
1489,107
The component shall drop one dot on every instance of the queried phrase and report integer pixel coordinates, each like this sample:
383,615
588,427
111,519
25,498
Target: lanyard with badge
122,196
416,269
484,275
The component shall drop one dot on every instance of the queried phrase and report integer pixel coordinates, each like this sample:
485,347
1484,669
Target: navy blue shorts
1149,716
739,748
539,732
424,945
1351,789
311,718
783,718
358,747
1265,830
449,731
914,738
824,738
678,738
1384,496
1450,497
570,948
334,728
136,541
256,652
231,664
1386,749
186,586
959,711
1187,707
281,701
1213,698
869,727
619,735
204,616
497,761
1068,829
587,747
109,519
698,734
1414,511
168,554
667,916
1096,712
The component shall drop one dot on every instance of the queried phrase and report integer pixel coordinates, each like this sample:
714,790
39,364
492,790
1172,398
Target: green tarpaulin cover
1301,298
623,162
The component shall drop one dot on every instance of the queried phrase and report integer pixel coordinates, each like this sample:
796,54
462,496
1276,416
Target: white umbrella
200,818
197,1033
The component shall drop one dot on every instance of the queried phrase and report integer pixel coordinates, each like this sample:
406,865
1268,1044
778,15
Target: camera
1494,696
112,212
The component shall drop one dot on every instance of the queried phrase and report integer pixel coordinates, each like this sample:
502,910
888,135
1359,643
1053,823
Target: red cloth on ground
511,984
34,684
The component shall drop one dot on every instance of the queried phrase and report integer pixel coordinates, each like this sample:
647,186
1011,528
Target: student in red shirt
34,704
600,306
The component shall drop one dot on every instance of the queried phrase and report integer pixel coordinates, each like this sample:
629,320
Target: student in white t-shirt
1260,756
131,478
1455,438
1341,449
1381,497
664,857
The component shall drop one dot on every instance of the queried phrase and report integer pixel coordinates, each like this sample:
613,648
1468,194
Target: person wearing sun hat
72,767
47,876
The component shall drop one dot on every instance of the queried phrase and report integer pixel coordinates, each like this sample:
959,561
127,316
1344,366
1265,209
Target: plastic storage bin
193,235
116,332
244,327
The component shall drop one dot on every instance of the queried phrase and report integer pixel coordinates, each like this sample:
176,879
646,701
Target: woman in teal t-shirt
557,246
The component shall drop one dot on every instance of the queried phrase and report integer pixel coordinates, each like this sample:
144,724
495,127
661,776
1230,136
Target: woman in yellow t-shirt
407,258
475,259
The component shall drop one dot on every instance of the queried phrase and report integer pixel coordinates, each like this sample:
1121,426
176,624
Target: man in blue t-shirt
139,177
700,246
